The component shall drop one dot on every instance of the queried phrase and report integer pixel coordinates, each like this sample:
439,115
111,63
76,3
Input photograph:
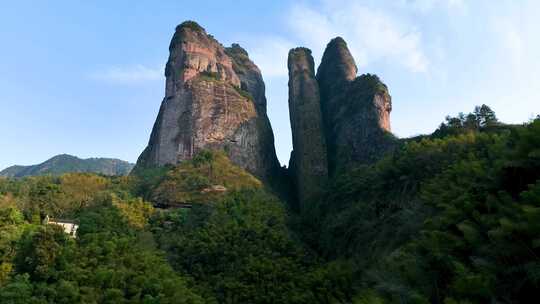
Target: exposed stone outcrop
337,68
308,160
359,129
249,74
214,99
356,110
266,164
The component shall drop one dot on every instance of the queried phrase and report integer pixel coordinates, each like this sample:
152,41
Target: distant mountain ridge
65,163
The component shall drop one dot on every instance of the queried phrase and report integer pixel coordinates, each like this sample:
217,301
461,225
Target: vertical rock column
355,110
336,70
309,158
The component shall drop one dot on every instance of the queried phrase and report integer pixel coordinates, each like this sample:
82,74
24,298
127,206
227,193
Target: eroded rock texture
214,99
308,161
356,110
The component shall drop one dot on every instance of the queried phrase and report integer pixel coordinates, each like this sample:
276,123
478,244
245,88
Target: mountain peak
301,60
337,65
214,99
63,156
192,25
309,158
237,49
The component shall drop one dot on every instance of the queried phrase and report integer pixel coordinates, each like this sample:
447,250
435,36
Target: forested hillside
65,163
452,217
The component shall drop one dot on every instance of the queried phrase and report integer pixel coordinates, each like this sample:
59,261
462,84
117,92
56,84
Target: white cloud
135,74
372,35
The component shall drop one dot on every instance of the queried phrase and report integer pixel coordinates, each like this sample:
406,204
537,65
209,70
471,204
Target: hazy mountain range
65,163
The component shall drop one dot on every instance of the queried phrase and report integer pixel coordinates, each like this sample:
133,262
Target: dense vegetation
232,246
449,218
453,217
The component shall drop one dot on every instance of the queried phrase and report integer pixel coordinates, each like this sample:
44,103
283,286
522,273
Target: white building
70,227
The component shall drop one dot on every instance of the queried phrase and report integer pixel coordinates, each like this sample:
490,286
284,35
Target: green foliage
450,219
371,84
191,25
243,93
214,76
482,118
363,88
57,196
11,229
113,259
207,177
209,76
241,251
236,247
145,180
41,253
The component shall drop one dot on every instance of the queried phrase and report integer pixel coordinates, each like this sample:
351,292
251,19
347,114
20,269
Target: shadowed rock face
214,99
249,74
359,129
337,68
356,110
266,164
308,161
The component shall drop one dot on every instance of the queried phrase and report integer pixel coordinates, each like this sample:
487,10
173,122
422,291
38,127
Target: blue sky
86,77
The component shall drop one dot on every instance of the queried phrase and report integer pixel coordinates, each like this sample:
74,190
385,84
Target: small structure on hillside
70,226
214,188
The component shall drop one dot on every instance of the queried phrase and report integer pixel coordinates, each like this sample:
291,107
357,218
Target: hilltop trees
481,118
447,219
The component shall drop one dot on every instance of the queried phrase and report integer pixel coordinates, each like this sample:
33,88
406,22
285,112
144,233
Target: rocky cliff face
266,163
308,161
356,110
214,99
338,120
336,70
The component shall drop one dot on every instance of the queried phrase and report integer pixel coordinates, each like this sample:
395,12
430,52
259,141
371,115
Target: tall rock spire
355,110
337,68
308,161
212,101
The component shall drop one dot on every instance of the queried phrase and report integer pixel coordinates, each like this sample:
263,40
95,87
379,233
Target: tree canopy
451,217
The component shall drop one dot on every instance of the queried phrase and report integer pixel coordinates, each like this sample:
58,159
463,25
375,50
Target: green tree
485,115
41,253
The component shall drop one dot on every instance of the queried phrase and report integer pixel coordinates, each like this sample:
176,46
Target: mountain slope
64,163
